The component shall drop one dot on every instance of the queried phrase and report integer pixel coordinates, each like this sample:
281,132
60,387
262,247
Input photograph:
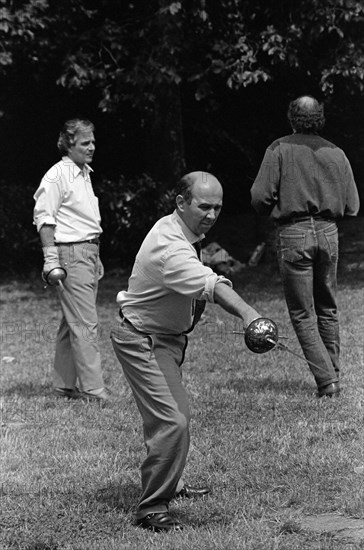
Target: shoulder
56,171
53,175
278,142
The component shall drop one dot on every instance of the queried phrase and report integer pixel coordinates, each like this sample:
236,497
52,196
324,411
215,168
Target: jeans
308,256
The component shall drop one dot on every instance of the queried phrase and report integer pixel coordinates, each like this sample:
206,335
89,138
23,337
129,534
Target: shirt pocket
291,247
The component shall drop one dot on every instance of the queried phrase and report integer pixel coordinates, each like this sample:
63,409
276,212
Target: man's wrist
50,253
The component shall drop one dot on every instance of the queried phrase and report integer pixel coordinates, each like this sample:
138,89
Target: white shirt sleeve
48,199
185,274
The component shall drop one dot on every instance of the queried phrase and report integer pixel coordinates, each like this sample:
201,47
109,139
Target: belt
89,241
299,219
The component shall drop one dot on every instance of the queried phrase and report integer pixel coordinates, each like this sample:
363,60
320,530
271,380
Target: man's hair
306,114
70,129
184,187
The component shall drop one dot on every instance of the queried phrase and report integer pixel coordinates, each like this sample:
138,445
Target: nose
211,215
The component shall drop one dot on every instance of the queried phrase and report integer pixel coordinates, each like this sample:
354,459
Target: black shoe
68,393
188,491
331,390
159,521
102,398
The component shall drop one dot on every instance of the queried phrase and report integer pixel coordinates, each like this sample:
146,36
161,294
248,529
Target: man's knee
180,421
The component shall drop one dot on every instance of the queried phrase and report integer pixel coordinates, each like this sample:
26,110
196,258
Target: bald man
167,286
306,183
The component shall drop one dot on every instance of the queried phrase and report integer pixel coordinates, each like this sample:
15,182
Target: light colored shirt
65,199
166,280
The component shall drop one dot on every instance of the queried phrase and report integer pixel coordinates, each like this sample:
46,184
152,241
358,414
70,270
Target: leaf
174,8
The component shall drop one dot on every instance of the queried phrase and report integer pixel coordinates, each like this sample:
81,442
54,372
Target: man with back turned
306,183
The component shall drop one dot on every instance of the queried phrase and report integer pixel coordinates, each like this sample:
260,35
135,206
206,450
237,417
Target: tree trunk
165,143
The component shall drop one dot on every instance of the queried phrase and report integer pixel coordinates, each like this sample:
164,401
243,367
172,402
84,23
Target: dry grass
270,449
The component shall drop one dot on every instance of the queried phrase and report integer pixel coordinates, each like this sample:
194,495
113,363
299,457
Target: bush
19,240
129,208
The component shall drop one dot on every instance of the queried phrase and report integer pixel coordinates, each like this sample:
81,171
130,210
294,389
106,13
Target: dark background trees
171,87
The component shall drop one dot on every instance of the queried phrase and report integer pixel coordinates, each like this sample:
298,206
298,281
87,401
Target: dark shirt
302,175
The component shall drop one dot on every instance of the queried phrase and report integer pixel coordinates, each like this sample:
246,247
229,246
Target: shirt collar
190,235
76,169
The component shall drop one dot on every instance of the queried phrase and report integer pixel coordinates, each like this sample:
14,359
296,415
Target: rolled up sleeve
47,198
211,282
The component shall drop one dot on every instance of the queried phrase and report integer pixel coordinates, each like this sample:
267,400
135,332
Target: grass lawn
272,452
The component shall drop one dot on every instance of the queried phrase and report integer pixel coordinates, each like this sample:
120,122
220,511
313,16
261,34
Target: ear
180,203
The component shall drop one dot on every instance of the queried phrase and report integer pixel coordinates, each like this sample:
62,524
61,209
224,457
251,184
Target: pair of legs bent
152,366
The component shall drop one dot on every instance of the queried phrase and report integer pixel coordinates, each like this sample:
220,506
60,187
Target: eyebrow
210,204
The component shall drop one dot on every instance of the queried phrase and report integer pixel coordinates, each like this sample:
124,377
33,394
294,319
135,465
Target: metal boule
55,275
261,335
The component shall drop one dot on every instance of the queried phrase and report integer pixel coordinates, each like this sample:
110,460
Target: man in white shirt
67,217
157,311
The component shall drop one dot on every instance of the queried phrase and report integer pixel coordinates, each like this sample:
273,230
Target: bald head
186,183
306,115
307,102
199,200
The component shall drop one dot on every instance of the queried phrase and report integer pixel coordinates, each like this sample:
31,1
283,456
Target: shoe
331,390
160,521
68,393
102,398
188,491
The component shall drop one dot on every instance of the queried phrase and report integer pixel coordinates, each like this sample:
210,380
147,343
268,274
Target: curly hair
306,115
70,129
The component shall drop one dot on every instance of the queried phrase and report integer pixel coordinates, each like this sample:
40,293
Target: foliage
129,208
19,242
130,50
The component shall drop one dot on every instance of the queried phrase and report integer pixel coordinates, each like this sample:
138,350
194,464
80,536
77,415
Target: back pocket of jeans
291,247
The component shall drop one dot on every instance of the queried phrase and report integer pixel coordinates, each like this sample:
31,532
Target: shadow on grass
28,389
123,496
250,384
39,545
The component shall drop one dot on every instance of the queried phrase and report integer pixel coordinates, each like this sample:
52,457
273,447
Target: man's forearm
46,233
231,302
